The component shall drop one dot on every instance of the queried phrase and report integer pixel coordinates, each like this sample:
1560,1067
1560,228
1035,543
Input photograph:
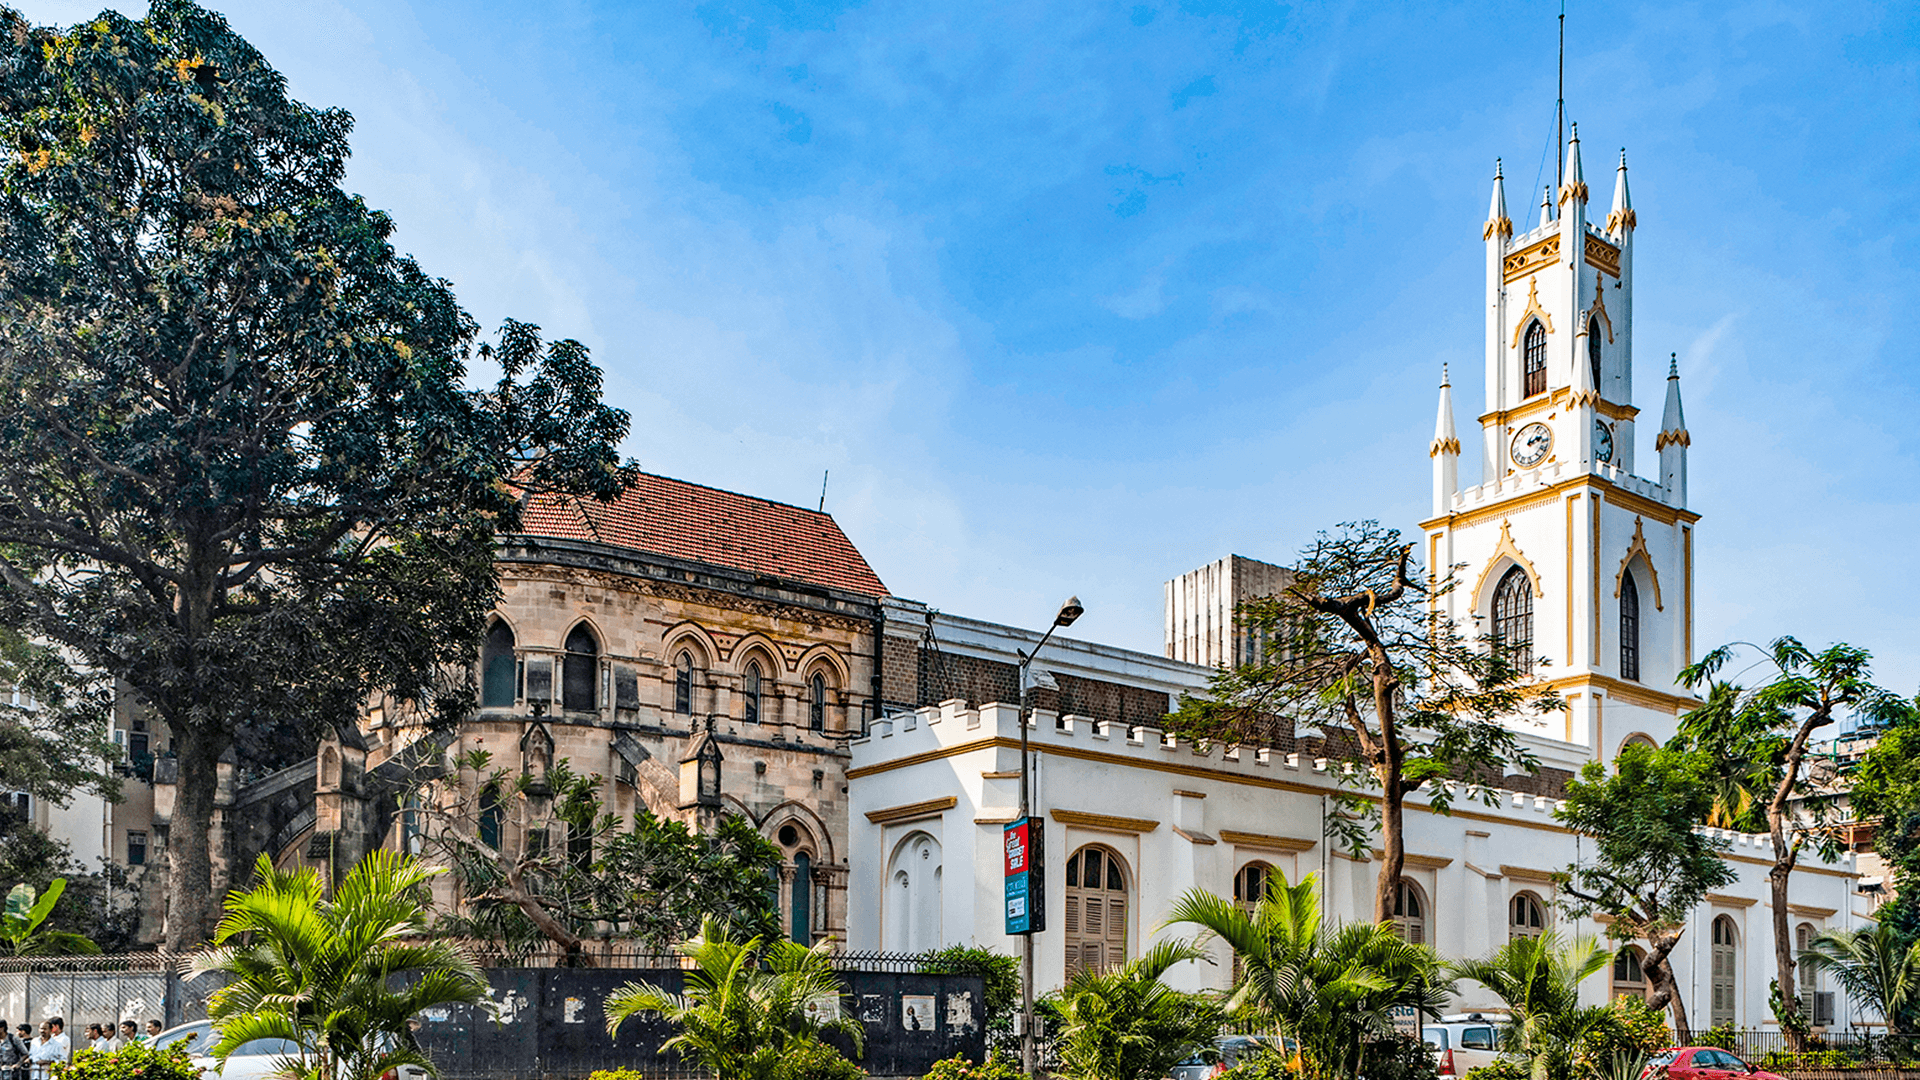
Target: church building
1564,552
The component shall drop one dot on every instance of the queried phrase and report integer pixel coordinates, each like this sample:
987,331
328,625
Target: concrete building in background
1202,608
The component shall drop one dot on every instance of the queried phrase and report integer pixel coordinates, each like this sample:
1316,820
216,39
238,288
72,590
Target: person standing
24,1070
13,1052
106,1043
43,1051
154,1027
129,1033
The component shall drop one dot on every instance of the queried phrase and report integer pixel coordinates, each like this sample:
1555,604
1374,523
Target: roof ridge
738,494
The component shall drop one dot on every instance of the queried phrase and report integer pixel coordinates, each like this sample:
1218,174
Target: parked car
1463,1042
1226,1052
1701,1063
255,1059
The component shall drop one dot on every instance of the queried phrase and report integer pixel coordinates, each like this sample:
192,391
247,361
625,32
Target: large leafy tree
1352,647
1756,737
241,468
1649,867
1539,979
1884,793
1332,989
340,978
51,726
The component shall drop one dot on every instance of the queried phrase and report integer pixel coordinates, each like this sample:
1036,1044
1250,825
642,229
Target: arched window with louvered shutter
1410,914
1526,917
1726,972
1534,360
1096,905
1513,619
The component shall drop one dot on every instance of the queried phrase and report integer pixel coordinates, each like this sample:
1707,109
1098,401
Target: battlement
1554,472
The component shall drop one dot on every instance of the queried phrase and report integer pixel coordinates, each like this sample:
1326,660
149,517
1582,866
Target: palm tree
1539,978
747,1003
320,973
1123,1023
20,930
1333,989
1878,968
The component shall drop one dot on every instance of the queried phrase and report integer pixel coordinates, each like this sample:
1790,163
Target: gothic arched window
750,692
579,670
496,667
1096,910
817,708
1534,366
683,683
802,914
1593,351
1629,628
1629,977
1726,972
1513,619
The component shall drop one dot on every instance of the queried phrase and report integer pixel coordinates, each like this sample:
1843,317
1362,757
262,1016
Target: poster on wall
916,1012
1024,846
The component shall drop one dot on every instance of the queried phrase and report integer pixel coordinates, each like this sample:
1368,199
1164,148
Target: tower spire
1445,450
1574,186
1621,218
1498,223
1673,440
1546,206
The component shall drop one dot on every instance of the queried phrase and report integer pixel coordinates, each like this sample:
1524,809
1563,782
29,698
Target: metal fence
626,954
1834,1048
95,989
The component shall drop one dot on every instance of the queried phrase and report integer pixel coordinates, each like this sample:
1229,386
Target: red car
1702,1063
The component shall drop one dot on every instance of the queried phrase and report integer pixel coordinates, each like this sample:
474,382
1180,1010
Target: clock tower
1563,552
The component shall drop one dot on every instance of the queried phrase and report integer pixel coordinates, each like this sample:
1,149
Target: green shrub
1629,1029
1503,1068
136,1061
1723,1036
811,1059
1401,1057
617,1074
998,1066
1270,1066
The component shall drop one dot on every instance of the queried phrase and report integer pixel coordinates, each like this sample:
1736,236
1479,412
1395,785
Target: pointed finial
1498,224
1673,367
1573,183
1621,218
1546,205
1444,381
1498,175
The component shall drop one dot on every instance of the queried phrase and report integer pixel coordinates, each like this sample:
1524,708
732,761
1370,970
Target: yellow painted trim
1527,873
925,756
1638,547
1619,496
1603,256
1811,912
1411,861
1507,548
1730,901
1599,310
1265,841
1190,794
1537,404
1686,537
1625,691
1193,837
1103,821
912,811
1531,258
1533,311
1003,774
1593,560
1571,499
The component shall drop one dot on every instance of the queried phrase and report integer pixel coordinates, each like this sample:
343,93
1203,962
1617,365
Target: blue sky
1073,297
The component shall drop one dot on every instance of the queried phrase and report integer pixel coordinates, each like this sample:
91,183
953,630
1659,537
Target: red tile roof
702,524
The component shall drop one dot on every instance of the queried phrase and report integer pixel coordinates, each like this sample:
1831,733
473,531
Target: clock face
1602,440
1531,445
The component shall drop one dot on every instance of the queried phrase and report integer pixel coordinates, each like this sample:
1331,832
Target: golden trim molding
1103,821
1531,258
1265,841
1730,901
1511,550
1617,495
912,811
1602,255
1811,912
1599,308
1410,861
1638,547
1527,874
1533,306
1501,225
1633,693
1190,794
1193,837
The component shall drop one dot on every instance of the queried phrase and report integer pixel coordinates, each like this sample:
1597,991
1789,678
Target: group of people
22,1057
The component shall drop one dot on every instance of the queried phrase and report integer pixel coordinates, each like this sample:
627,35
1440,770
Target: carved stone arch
599,635
759,645
1505,553
738,806
824,656
689,633
804,816
1639,548
1598,310
499,616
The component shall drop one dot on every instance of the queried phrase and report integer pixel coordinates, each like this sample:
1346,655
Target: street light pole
1069,611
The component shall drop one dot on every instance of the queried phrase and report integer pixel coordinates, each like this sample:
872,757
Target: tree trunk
555,930
1665,991
1393,845
191,905
1785,855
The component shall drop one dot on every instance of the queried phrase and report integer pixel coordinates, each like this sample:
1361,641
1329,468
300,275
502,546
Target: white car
1463,1043
256,1059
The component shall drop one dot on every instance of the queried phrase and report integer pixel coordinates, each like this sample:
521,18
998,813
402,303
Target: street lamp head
1069,611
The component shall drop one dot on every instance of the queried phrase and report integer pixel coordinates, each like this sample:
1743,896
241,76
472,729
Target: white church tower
1562,552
